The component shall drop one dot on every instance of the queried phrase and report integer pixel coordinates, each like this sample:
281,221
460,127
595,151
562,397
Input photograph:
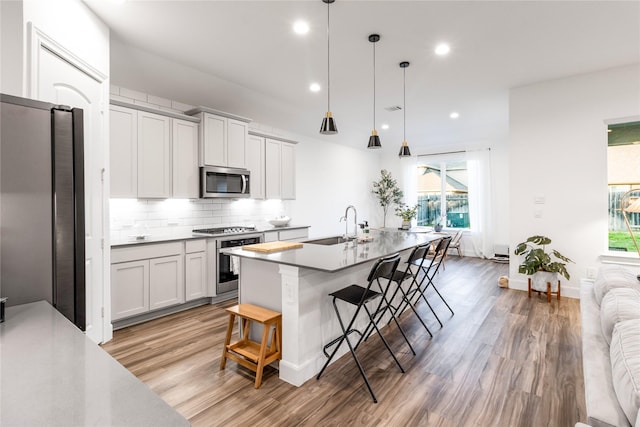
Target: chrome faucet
346,223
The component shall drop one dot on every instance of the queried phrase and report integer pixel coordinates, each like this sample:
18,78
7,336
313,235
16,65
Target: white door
62,83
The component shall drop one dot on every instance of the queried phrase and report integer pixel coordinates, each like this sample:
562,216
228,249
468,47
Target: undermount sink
328,241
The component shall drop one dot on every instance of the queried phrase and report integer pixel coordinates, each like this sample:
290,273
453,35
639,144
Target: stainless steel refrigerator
42,228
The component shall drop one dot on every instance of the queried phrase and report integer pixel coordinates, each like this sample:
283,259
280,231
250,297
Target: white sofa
610,313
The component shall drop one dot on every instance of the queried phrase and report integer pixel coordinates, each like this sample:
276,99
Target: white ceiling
495,46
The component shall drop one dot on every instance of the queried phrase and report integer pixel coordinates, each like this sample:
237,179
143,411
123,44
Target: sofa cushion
613,276
617,305
625,366
603,409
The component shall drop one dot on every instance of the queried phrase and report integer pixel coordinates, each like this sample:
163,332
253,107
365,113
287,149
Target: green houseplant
407,213
538,260
387,192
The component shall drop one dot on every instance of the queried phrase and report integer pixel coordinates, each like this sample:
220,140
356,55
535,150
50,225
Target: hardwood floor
502,360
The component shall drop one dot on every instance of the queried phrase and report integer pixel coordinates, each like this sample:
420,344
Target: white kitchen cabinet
255,162
123,152
166,281
288,171
280,169
184,141
154,155
236,143
146,278
272,157
212,267
295,234
129,289
223,137
213,137
195,267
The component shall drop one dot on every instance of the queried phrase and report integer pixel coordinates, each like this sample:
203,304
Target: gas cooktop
225,230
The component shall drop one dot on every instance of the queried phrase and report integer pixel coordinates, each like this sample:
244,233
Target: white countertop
337,257
51,374
189,235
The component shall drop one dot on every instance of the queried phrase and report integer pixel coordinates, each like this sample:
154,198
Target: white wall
71,24
557,150
331,177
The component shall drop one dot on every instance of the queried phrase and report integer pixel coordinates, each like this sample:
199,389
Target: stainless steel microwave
218,181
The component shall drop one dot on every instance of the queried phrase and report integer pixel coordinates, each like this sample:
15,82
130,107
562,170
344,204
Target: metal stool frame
415,292
360,296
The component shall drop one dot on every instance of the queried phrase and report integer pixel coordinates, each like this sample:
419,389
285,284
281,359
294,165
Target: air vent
393,108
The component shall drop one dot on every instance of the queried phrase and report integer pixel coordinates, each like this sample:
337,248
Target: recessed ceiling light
385,126
442,49
454,115
314,87
301,27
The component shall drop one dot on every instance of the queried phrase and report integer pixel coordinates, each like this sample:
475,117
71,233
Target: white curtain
480,202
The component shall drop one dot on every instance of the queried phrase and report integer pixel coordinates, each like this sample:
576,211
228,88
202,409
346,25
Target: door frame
36,39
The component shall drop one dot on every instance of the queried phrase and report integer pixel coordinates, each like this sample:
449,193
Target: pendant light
404,150
374,139
328,126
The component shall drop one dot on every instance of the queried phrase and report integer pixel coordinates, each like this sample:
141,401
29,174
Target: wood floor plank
501,360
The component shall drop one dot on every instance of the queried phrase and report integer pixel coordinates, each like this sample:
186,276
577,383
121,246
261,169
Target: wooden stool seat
251,354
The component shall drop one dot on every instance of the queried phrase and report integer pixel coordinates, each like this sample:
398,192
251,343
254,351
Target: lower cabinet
146,278
129,289
195,267
166,284
296,234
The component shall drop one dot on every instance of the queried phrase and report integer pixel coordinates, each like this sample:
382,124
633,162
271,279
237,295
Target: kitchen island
51,374
297,282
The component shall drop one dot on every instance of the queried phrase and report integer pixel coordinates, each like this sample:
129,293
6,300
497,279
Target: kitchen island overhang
297,283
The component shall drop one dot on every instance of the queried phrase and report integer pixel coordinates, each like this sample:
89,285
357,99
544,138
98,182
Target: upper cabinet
123,151
279,168
223,138
254,161
154,150
153,155
185,159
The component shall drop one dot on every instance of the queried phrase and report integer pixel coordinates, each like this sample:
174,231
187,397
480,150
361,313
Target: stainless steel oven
228,266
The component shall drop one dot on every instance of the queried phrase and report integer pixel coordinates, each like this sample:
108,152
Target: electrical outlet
537,213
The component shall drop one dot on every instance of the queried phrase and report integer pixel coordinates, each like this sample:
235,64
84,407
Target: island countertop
53,375
337,257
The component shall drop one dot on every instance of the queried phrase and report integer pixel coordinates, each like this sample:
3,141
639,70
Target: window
623,169
443,193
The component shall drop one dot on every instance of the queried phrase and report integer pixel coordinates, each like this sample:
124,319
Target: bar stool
359,296
416,289
416,258
248,353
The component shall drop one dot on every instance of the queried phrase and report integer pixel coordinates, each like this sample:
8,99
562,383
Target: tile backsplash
175,217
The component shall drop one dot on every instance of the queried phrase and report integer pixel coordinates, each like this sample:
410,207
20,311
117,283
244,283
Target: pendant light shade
404,149
328,126
374,139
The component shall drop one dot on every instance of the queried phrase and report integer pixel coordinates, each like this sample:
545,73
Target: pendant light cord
374,86
404,103
328,62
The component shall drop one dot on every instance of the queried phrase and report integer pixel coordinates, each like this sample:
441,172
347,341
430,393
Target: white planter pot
540,279
406,225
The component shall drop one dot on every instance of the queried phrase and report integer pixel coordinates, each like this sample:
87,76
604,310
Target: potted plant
407,214
540,265
387,191
437,225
